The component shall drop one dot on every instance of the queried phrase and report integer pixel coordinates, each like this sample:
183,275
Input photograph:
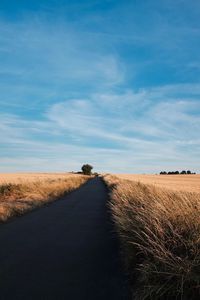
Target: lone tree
87,169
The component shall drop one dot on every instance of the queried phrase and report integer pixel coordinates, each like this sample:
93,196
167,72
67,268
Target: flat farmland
31,177
157,217
188,183
22,192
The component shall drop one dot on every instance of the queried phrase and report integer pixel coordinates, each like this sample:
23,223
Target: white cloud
147,113
130,132
122,131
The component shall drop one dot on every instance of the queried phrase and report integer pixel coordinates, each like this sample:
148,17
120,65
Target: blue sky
111,83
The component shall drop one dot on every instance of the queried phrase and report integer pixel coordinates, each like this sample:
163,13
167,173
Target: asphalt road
66,250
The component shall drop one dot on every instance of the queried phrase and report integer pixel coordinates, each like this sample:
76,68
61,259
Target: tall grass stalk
160,235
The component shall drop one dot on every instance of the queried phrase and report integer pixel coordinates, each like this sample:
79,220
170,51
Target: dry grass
160,234
188,183
24,195
30,177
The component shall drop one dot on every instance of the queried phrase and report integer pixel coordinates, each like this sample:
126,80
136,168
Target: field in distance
30,177
22,192
189,183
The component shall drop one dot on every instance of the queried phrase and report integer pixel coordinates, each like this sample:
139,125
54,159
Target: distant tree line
176,172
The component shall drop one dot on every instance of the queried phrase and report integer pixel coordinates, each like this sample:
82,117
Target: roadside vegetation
18,198
160,238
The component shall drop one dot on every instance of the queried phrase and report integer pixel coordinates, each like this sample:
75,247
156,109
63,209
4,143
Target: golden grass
188,183
30,177
18,198
160,234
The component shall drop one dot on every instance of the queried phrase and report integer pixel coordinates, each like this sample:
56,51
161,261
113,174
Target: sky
112,83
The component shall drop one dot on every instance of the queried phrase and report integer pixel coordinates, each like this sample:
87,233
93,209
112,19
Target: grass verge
160,236
17,199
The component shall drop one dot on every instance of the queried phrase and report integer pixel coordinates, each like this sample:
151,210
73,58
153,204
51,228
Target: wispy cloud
113,83
137,129
55,53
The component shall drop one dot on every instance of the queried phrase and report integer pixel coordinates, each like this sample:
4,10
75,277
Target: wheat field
20,193
159,230
188,183
30,177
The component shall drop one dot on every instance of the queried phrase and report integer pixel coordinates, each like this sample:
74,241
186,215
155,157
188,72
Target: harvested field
21,193
188,183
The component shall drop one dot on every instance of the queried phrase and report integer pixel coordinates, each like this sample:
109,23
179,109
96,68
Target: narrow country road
66,250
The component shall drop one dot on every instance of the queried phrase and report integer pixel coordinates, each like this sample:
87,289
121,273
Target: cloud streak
161,134
102,83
